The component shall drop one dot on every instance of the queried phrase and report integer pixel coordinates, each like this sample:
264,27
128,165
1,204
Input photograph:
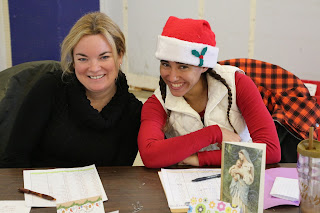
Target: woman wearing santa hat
200,103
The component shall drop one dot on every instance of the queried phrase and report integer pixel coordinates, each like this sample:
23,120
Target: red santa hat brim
172,49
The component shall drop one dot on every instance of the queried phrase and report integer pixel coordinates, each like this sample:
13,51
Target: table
127,188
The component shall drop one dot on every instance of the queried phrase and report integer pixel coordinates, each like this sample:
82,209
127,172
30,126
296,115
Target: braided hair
212,73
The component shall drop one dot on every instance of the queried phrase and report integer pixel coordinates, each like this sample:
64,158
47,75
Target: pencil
27,191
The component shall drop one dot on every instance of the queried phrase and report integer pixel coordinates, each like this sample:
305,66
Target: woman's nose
94,66
173,75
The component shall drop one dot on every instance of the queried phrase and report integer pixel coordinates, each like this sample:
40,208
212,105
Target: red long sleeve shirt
156,151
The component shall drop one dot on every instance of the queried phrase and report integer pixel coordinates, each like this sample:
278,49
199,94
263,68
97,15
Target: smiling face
94,64
181,78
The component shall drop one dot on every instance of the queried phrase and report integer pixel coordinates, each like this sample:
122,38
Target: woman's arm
156,151
29,124
258,120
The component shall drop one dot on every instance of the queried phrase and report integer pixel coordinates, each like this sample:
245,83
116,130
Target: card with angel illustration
242,175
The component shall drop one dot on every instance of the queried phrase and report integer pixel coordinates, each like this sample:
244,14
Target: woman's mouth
96,77
176,86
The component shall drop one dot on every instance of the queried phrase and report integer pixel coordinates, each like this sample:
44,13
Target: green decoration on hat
200,56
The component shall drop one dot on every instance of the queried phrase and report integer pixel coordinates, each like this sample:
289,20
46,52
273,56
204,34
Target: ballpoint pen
206,177
27,191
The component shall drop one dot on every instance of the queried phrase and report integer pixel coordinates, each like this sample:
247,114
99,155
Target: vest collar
216,92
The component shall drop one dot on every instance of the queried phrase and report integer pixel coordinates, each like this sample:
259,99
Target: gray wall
283,32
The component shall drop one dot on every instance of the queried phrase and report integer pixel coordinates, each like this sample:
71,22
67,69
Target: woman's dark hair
212,73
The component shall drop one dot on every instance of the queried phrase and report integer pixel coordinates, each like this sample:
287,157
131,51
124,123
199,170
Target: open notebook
179,188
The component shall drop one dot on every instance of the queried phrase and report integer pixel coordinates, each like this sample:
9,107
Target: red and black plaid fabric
284,94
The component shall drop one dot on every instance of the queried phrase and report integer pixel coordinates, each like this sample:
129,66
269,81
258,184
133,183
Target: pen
27,191
206,178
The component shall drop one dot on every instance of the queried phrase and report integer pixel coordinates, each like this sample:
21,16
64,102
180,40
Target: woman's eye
104,57
183,67
82,59
165,64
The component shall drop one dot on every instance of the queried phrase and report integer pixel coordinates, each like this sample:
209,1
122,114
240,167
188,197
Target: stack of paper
13,206
63,184
179,188
270,177
285,188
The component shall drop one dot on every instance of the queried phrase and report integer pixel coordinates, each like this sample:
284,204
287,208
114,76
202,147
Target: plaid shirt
284,94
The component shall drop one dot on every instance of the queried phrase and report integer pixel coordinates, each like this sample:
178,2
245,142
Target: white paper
312,88
14,206
179,187
285,188
63,184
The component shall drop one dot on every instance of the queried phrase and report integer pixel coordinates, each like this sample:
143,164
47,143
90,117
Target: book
180,189
242,175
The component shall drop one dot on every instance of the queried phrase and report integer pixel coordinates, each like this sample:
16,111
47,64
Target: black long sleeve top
57,127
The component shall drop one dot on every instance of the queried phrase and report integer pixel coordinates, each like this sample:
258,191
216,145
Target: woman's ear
120,60
204,69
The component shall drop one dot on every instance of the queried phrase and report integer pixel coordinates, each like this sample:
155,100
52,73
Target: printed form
63,184
180,189
13,206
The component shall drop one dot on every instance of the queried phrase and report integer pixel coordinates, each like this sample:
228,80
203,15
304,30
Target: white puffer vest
185,120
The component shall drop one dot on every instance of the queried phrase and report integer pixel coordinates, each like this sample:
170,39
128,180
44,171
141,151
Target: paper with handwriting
179,188
63,184
14,206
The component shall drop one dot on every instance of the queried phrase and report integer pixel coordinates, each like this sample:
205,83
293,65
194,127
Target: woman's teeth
96,77
176,85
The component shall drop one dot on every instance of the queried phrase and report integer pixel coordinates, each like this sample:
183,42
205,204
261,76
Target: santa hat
188,41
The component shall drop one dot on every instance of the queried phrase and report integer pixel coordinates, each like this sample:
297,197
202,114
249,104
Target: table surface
126,188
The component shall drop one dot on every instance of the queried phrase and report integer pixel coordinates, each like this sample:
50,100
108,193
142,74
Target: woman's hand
229,136
192,160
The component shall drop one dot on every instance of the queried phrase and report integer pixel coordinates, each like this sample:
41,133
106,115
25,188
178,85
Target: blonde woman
84,114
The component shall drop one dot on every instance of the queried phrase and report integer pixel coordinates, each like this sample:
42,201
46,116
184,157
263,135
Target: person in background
84,114
200,103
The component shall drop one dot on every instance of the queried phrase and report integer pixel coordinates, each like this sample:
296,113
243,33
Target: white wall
5,47
283,32
288,34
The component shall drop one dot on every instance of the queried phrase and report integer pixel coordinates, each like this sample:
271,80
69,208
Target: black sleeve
30,123
127,156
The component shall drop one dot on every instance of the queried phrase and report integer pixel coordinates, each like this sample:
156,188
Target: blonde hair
92,24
